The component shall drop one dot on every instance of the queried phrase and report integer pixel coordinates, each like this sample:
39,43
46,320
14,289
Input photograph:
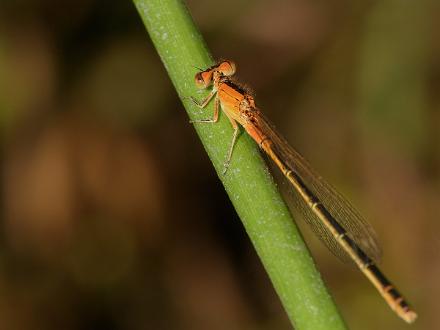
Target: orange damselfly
337,223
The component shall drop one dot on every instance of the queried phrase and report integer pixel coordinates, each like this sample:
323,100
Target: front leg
205,102
214,119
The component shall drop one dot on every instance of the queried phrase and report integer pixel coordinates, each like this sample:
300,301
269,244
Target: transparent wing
359,230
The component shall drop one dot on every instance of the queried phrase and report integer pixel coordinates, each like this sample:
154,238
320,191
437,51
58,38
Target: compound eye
203,79
199,80
227,68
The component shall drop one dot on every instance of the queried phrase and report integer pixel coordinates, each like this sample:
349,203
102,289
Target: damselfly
332,217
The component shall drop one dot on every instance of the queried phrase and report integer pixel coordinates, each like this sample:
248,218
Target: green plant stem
248,183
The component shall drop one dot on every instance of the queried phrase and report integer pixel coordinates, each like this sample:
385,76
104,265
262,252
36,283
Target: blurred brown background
112,215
